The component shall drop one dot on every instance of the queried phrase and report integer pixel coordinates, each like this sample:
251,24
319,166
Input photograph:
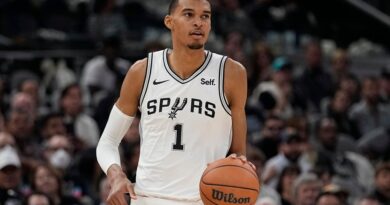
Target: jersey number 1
179,130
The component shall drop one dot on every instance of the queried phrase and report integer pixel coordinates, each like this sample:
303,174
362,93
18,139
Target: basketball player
192,104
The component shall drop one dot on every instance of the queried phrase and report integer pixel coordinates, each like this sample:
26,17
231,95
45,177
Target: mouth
197,34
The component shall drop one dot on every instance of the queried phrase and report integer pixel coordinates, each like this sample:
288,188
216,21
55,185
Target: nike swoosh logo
155,82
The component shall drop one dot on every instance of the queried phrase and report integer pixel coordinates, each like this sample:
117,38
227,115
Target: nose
197,22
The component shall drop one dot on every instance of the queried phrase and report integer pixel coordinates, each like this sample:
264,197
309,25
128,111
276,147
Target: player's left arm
235,86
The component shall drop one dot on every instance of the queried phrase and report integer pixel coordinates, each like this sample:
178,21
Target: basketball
229,181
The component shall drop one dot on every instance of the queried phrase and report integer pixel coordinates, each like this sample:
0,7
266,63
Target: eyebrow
188,9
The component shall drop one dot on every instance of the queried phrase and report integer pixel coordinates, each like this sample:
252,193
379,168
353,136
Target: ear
168,22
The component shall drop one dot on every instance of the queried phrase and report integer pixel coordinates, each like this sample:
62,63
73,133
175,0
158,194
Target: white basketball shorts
145,200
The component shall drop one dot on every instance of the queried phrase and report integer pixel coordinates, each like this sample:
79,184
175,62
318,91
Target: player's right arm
118,123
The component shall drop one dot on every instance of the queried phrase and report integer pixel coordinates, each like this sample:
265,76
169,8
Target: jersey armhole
147,78
221,83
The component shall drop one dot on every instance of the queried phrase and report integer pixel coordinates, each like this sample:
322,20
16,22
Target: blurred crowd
318,128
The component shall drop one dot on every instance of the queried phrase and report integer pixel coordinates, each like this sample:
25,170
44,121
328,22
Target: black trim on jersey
148,73
194,75
221,86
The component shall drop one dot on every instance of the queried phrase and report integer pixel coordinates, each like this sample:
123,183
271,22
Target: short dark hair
172,6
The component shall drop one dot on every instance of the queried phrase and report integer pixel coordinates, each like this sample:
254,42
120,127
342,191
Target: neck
286,194
185,61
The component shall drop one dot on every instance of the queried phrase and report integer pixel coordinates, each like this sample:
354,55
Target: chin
195,46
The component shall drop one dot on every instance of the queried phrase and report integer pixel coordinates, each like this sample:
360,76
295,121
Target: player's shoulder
136,72
139,65
234,65
234,69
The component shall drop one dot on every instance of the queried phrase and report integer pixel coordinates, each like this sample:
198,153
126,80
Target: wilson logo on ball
229,197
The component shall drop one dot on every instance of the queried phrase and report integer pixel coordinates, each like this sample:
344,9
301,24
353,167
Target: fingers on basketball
131,192
229,181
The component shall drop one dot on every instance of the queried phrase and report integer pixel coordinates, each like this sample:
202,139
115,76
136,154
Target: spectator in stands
78,124
337,152
337,191
58,152
285,185
382,183
301,124
20,124
351,85
51,124
260,69
38,198
312,85
103,74
24,102
324,171
257,157
234,47
340,63
279,87
282,69
337,109
28,162
309,151
268,139
46,179
30,86
306,189
370,114
276,96
56,76
290,152
10,172
330,141
328,199
375,145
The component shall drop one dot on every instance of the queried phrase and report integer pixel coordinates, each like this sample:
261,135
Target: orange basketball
229,181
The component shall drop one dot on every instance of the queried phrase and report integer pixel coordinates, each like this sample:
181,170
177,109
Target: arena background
318,79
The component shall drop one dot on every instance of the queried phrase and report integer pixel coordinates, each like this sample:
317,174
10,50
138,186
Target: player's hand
243,159
120,186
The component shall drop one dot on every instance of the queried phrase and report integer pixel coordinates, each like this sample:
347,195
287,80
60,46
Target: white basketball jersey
185,124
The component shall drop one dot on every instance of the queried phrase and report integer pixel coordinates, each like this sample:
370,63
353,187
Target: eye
187,14
205,16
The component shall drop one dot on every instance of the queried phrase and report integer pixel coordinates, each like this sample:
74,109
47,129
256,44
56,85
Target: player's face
190,23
